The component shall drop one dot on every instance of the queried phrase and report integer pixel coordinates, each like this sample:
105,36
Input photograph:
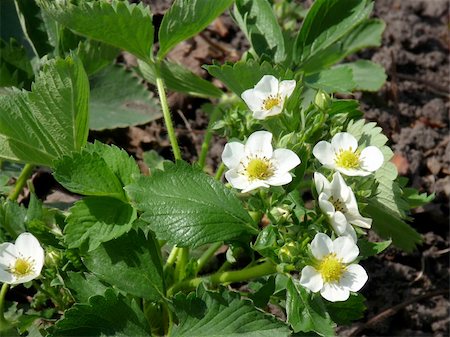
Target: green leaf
154,161
415,199
367,34
367,248
33,26
96,55
178,78
79,172
326,22
258,22
243,75
307,314
343,313
94,220
50,121
108,315
118,100
389,226
186,18
222,314
12,217
83,286
332,80
15,69
122,25
366,75
132,263
189,208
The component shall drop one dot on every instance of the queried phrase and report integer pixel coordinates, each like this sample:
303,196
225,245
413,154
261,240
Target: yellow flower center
338,204
331,268
271,102
22,267
348,159
259,168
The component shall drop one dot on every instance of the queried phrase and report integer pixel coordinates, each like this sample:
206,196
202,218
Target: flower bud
322,100
288,252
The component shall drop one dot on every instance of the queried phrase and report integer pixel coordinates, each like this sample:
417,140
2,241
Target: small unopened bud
288,252
322,100
52,258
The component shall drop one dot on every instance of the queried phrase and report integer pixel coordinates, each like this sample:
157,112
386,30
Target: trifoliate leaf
118,100
189,208
118,23
305,313
94,220
186,18
132,263
79,172
366,75
332,80
50,121
108,315
223,314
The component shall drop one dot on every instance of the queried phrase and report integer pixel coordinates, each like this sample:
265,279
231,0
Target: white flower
267,97
338,202
256,164
343,155
334,274
21,262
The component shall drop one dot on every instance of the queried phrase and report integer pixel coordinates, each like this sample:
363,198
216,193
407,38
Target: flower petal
322,184
356,219
339,188
354,277
8,255
232,154
285,159
321,246
253,99
259,144
326,206
236,179
28,246
339,222
371,158
345,249
260,114
6,277
279,179
254,185
323,151
344,141
353,172
311,279
286,88
334,292
268,84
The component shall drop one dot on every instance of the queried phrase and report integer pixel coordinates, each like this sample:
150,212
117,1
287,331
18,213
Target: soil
407,294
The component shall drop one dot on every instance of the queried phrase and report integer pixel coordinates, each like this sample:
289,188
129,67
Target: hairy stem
207,139
168,118
21,181
2,303
204,258
262,269
219,172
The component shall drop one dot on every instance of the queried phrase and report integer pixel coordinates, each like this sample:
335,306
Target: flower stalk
3,292
21,182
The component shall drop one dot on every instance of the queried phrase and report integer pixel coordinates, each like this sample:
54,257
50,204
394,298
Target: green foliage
189,208
108,315
96,55
306,313
178,78
108,22
15,68
326,22
343,313
222,314
366,75
259,24
132,263
244,75
367,248
118,100
186,18
12,217
79,172
332,80
50,121
94,220
84,285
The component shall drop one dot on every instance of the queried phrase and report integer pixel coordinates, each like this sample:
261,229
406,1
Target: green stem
220,171
262,269
2,302
21,181
207,139
180,268
168,118
204,258
172,257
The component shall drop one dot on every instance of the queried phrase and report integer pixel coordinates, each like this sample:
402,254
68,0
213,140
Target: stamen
271,101
331,268
348,159
338,204
22,267
259,168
